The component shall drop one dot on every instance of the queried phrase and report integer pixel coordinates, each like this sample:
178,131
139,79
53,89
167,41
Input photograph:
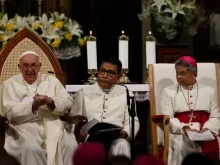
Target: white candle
123,52
91,54
150,52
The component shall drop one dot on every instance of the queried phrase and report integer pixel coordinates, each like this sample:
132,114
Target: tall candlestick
91,52
91,58
123,50
150,53
150,50
123,57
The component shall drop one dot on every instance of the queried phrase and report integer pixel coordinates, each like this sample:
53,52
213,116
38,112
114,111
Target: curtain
63,6
25,7
21,7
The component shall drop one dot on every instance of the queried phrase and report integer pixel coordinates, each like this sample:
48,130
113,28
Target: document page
89,125
205,136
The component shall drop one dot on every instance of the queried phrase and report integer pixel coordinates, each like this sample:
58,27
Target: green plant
171,14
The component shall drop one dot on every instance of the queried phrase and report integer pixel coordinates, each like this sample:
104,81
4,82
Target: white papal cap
28,52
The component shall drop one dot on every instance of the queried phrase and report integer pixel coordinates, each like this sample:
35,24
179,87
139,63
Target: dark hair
119,160
183,63
198,158
113,61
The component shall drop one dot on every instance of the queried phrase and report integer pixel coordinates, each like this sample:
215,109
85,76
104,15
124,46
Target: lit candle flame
122,32
90,32
150,32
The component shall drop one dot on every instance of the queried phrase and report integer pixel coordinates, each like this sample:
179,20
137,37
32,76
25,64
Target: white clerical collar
190,87
107,91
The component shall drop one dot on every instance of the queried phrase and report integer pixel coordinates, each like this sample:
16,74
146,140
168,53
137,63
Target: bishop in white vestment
192,107
107,103
33,104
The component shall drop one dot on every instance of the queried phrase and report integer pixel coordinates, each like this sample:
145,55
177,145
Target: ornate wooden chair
160,77
27,40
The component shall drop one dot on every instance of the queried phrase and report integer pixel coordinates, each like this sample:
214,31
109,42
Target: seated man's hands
203,130
187,128
40,100
78,119
206,129
50,103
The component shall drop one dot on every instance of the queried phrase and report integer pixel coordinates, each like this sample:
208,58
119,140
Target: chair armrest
164,120
4,124
78,119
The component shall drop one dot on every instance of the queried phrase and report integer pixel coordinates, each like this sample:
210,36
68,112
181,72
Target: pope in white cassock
192,107
107,102
33,103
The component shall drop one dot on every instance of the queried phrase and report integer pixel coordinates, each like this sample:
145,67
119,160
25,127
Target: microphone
128,98
132,114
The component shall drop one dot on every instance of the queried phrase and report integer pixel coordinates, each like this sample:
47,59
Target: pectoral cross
191,117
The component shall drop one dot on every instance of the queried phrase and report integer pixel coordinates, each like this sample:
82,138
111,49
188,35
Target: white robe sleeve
12,106
78,105
167,109
62,100
213,123
127,122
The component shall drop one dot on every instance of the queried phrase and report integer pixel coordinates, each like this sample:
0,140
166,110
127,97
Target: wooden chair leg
166,139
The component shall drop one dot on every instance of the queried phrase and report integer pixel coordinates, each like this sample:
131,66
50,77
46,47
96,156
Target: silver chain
191,110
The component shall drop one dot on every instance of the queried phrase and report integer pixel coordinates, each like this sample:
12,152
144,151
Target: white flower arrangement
57,30
171,14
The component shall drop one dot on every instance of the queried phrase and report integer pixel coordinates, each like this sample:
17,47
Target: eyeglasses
109,73
33,66
182,74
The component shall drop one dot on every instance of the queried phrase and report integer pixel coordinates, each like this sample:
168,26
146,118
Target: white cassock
176,100
39,139
110,107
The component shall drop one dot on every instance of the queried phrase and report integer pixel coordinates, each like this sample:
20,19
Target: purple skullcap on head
148,160
89,153
190,60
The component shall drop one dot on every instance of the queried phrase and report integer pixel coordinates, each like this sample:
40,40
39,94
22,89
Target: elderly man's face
29,66
184,76
108,75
